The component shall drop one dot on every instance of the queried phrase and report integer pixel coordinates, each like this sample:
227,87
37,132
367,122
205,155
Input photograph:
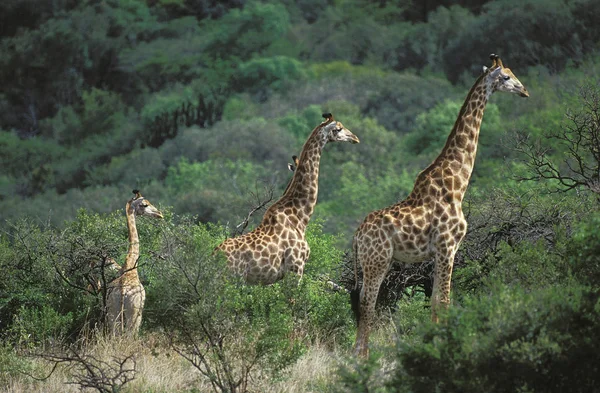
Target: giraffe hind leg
442,277
374,271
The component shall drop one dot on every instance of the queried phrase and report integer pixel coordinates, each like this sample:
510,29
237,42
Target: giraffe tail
355,292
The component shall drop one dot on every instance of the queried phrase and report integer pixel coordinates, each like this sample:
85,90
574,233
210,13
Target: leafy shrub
200,188
397,109
217,323
583,250
508,340
51,285
32,327
433,127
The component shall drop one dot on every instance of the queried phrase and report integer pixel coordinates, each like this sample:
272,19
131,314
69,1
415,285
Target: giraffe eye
506,77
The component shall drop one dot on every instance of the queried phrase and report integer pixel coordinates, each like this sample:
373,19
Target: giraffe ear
485,69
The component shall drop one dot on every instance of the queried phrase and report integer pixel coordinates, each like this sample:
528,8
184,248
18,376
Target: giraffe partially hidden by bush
278,244
126,295
429,222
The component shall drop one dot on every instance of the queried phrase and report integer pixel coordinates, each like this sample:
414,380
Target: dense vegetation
201,104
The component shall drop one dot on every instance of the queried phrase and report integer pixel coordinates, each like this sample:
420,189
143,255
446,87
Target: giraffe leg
372,279
440,298
114,310
294,262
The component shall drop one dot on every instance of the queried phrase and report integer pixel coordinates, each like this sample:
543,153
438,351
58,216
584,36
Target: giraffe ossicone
429,222
126,294
278,244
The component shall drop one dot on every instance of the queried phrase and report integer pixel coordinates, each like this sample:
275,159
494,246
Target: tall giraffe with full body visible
278,245
126,294
429,222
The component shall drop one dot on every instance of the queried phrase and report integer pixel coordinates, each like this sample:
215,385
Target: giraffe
278,245
100,272
429,222
126,295
330,284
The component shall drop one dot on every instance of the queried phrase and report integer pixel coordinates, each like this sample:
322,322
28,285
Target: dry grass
313,372
159,369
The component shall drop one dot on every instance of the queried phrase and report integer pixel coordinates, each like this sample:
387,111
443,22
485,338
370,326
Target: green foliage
424,45
583,250
31,327
133,170
300,124
433,127
527,265
200,187
167,101
102,112
397,109
87,109
555,41
243,33
28,161
508,340
236,325
355,192
240,107
11,364
49,288
262,75
361,376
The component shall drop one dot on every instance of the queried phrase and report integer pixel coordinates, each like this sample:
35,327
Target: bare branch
578,138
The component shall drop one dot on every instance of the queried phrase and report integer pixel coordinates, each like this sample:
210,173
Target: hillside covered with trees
202,104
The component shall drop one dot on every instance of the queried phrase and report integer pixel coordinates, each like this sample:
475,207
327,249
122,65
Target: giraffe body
278,245
126,294
430,221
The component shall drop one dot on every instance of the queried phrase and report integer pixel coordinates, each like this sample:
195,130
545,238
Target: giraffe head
142,207
334,131
501,78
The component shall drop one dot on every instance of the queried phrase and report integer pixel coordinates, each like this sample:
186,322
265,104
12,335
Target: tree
575,163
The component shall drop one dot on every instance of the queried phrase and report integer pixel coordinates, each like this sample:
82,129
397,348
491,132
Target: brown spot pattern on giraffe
430,221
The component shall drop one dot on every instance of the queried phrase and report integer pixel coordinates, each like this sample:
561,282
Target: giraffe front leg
440,298
295,260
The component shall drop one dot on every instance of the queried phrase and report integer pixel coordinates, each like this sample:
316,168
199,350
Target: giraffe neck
301,193
130,267
457,158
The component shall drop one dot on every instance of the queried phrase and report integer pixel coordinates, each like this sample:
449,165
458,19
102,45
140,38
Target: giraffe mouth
354,139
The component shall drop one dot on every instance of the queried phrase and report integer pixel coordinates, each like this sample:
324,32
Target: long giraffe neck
457,158
303,189
130,267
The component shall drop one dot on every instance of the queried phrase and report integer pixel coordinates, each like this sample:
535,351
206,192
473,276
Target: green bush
583,250
51,274
508,340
